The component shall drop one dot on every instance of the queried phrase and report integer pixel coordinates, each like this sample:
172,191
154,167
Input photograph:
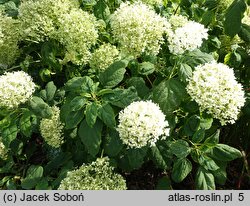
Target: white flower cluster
185,35
98,175
61,20
103,57
137,28
3,151
9,37
142,123
214,87
77,31
15,88
52,129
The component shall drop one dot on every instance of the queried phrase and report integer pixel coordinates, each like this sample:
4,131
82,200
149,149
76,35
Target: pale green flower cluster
185,35
177,21
77,31
62,20
52,129
103,57
137,29
3,151
39,18
142,123
214,87
9,37
15,88
98,175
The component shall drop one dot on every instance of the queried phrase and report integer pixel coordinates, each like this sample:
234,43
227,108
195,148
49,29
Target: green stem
176,9
19,66
102,153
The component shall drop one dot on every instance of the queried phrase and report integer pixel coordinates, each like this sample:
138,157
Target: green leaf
192,124
206,122
146,68
91,113
181,168
9,134
34,174
207,163
101,10
48,53
169,94
5,122
214,138
233,16
7,167
112,143
104,91
114,74
11,184
158,158
245,33
106,114
77,103
50,91
139,84
42,184
73,119
211,4
198,136
91,137
204,180
220,174
164,184
133,159
25,123
208,17
185,72
224,152
57,162
16,146
196,58
180,148
40,108
122,97
80,84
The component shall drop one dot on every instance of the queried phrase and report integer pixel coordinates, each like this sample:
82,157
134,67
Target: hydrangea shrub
92,91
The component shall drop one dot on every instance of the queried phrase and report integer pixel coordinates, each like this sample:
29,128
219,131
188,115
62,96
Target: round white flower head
3,151
52,129
142,123
103,57
77,31
187,37
9,37
15,88
98,175
137,28
214,87
39,18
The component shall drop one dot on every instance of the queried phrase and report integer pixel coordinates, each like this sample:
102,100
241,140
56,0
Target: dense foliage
92,90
